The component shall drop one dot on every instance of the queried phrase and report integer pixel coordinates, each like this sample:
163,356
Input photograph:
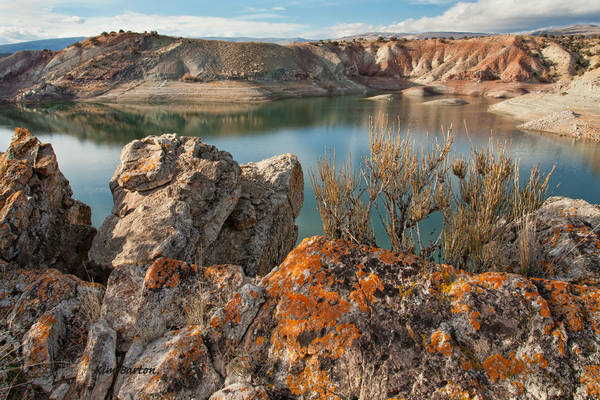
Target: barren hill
146,67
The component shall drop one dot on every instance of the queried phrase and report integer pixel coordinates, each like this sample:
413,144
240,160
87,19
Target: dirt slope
133,67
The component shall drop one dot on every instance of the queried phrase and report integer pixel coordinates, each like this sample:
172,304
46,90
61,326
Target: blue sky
39,19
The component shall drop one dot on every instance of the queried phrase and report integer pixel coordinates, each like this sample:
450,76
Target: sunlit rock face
177,197
41,224
563,242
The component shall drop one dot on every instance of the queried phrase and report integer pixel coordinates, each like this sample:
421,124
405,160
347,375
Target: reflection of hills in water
119,124
122,123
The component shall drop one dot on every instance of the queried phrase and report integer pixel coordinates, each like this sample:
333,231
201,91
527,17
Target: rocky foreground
177,319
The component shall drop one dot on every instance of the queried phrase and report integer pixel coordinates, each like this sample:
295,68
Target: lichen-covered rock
41,347
564,243
175,366
171,196
95,372
49,314
144,306
347,321
121,302
261,231
41,225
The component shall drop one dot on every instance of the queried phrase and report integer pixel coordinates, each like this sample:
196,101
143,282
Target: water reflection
88,137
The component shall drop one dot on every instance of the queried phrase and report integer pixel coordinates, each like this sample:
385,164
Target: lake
87,138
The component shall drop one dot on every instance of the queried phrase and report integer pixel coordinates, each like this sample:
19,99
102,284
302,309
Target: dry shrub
343,213
10,372
405,183
91,305
490,198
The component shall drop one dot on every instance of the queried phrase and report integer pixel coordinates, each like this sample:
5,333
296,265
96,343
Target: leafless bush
339,198
489,199
405,183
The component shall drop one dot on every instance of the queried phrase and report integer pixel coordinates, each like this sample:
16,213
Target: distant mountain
586,30
410,36
258,40
50,44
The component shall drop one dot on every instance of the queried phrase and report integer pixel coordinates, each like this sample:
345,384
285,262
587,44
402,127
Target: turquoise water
87,138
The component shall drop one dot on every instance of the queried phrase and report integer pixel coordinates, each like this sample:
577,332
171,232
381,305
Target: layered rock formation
41,225
180,198
136,67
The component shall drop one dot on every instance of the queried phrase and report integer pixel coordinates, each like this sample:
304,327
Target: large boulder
41,225
149,312
563,242
49,314
260,231
171,197
179,198
348,321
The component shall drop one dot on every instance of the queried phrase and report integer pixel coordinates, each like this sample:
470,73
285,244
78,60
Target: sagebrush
402,184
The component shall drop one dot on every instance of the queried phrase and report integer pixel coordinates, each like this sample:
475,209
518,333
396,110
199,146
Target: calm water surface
87,138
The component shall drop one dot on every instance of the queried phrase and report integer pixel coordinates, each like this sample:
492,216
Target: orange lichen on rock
164,272
440,342
363,291
312,380
498,367
308,314
591,379
389,257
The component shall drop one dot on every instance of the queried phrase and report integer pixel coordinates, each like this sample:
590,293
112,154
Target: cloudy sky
22,20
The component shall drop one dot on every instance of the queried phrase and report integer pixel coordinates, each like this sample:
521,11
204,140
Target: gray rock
98,362
171,197
177,364
41,347
261,230
565,242
241,391
121,302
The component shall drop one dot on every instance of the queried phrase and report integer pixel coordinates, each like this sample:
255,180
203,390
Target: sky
24,20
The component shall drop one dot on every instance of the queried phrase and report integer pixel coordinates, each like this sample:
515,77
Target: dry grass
91,306
405,183
527,244
10,372
197,310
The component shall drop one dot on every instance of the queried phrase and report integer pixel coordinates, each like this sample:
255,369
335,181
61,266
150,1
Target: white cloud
33,24
503,16
74,19
279,8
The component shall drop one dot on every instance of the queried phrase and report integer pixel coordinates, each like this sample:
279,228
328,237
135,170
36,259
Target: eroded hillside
131,66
